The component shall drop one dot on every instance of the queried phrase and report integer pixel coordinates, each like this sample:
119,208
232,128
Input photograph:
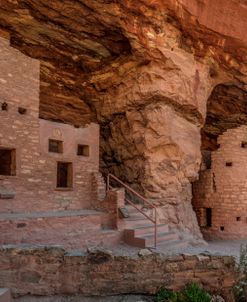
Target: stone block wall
35,179
114,200
50,271
223,188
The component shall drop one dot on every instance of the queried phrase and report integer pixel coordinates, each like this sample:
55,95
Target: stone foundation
71,229
50,271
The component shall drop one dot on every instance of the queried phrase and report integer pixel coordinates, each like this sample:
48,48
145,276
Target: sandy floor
228,248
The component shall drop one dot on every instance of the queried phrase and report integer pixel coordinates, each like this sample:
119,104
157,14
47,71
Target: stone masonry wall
223,188
36,169
49,271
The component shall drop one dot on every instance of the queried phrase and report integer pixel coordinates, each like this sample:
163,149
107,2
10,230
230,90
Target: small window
228,164
208,217
238,218
4,106
244,144
83,150
64,175
222,228
55,146
7,162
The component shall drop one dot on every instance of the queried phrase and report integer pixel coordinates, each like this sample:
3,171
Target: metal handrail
154,221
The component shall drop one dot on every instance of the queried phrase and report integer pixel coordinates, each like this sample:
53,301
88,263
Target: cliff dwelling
123,132
220,193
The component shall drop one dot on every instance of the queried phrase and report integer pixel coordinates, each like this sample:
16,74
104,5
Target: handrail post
155,227
108,186
108,183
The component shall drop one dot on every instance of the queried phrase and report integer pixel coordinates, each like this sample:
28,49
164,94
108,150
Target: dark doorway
208,217
7,162
64,175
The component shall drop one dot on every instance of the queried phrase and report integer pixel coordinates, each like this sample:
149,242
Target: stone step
5,295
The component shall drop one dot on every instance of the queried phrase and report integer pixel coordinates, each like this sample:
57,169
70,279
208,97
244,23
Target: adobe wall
51,271
36,168
224,188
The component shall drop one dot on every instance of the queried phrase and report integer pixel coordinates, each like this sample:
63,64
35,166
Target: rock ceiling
93,52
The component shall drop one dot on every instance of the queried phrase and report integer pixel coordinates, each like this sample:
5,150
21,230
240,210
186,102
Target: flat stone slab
5,295
7,194
15,216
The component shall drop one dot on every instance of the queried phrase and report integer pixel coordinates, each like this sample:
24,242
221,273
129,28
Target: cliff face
150,72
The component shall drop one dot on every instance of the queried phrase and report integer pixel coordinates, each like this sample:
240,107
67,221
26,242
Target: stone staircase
139,232
139,225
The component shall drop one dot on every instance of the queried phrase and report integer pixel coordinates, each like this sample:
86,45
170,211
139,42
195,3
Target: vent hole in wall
22,110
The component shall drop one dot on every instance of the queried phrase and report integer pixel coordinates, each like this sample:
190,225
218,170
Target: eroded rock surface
144,70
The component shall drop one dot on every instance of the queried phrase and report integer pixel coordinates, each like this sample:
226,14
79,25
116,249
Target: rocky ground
217,248
120,298
221,248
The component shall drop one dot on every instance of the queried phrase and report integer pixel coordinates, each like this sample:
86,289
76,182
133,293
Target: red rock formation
144,70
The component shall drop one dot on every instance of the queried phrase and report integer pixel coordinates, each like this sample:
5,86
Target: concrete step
145,241
148,230
5,295
138,215
134,211
173,245
161,237
136,218
135,223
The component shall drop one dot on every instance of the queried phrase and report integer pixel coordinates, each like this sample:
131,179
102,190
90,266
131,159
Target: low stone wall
70,229
50,271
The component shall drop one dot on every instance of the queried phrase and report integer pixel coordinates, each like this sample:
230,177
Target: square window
7,162
55,146
83,150
64,175
244,144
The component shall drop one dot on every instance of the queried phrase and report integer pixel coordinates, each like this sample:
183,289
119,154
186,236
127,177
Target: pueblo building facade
220,194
